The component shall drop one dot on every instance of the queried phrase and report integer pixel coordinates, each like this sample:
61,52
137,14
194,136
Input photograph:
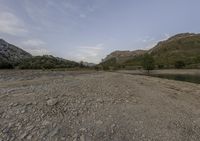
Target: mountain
122,56
184,47
181,47
11,55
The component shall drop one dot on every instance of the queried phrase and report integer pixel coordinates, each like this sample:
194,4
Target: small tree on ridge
148,63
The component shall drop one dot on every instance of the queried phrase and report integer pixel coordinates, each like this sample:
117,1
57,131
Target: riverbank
100,106
167,71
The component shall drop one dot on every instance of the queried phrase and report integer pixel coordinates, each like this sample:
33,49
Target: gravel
96,106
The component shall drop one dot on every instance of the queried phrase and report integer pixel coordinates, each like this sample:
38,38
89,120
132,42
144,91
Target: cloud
33,42
146,39
10,24
88,53
35,47
83,16
166,36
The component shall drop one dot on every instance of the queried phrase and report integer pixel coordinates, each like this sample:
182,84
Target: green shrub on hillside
179,64
5,65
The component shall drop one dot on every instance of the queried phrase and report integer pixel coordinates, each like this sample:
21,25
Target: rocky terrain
96,106
12,57
12,54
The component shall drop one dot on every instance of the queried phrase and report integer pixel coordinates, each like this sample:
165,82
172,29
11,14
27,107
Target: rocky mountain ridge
12,54
183,47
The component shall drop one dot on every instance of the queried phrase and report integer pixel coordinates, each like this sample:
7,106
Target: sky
88,30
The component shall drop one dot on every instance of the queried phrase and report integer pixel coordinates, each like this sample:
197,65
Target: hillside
47,62
14,57
122,56
10,55
183,47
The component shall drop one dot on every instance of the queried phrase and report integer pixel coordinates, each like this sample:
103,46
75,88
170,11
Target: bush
6,65
105,68
148,62
179,64
161,66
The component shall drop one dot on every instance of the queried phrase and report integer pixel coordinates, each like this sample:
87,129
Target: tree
82,64
179,64
148,63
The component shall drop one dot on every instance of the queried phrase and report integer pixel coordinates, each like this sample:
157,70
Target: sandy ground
96,106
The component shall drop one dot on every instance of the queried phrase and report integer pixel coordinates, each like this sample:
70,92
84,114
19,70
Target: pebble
82,138
45,123
29,137
99,122
52,102
23,111
29,103
23,135
54,132
83,130
75,136
100,100
112,128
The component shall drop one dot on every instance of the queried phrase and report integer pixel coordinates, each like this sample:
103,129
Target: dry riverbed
96,106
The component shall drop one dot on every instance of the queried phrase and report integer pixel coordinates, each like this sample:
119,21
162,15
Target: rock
29,103
99,122
23,135
75,136
11,104
52,102
23,111
83,130
35,103
100,100
29,128
82,138
54,132
19,126
29,137
45,123
112,128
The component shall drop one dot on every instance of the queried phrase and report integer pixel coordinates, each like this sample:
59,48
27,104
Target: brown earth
96,106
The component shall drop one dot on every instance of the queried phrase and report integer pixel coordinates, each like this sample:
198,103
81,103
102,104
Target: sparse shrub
160,66
179,64
6,65
97,68
105,68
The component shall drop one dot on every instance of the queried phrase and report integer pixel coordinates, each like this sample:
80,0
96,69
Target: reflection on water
187,78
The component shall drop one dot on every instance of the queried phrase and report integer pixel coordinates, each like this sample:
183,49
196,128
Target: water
180,77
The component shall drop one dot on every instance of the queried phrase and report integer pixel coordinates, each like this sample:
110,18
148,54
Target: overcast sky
88,30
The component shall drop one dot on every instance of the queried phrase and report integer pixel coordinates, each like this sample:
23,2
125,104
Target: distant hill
122,56
86,64
181,47
11,55
14,57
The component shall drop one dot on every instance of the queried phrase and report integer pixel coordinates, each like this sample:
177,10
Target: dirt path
97,107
